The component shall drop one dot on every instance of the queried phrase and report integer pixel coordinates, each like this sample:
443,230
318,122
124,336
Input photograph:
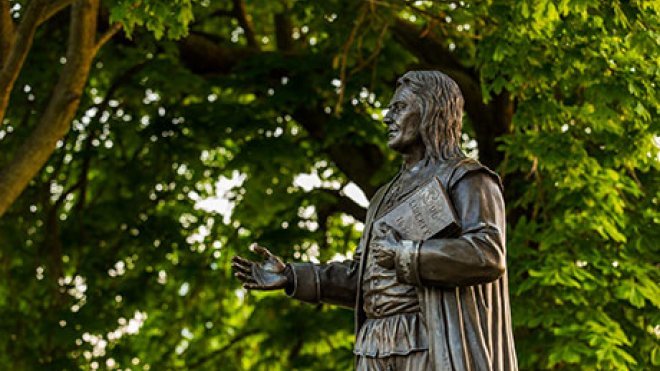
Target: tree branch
107,36
54,7
376,52
344,204
430,49
358,161
67,192
283,34
55,122
17,53
204,56
344,56
242,17
295,350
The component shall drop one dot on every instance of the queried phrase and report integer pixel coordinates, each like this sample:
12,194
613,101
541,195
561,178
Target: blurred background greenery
145,142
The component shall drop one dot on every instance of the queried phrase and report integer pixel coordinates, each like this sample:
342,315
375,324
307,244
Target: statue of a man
435,304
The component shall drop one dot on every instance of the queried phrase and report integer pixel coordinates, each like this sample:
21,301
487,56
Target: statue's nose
388,120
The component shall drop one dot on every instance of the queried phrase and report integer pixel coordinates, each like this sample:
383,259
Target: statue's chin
393,146
406,147
398,144
398,150
394,142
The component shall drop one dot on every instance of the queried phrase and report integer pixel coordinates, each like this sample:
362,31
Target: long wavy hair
441,108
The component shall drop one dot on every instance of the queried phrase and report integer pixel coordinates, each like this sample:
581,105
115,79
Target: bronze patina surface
428,280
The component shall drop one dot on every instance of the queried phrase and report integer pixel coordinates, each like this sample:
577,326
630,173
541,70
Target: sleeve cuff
407,263
306,283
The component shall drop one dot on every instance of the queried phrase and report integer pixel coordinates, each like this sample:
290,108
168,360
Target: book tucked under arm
474,255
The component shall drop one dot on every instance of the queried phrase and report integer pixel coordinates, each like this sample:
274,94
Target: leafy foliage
113,257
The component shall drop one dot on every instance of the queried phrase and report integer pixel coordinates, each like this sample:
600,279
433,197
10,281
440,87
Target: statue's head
426,110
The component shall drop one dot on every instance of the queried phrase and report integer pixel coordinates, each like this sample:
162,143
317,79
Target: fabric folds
399,334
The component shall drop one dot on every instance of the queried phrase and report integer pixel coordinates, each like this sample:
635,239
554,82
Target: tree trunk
56,119
6,31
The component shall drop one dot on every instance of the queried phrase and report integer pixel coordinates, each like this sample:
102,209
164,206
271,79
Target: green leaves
638,291
580,137
628,290
188,148
163,18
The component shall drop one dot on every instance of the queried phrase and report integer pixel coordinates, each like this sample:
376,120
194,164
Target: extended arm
332,283
477,255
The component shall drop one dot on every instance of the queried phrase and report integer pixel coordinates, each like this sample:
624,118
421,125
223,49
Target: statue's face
403,120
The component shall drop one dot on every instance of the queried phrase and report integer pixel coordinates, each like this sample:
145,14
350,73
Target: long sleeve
332,283
477,255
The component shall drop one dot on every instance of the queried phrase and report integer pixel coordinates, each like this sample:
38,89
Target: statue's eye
398,107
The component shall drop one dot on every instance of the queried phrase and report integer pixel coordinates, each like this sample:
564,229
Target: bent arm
477,255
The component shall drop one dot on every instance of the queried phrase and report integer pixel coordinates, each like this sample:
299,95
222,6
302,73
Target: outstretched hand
266,275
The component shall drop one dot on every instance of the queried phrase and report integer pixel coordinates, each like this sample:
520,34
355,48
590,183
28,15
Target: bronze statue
437,300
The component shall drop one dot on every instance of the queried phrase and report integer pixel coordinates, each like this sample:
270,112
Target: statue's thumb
260,250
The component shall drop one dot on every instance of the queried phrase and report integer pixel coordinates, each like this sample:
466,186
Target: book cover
425,213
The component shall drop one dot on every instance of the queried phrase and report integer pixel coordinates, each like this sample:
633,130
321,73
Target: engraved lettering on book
425,213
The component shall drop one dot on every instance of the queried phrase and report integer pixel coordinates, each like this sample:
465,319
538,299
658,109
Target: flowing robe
461,282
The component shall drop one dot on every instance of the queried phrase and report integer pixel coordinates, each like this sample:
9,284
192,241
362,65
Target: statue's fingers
260,250
245,278
243,263
380,252
241,260
240,267
252,286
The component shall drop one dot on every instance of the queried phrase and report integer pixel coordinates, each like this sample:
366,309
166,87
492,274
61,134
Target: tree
110,258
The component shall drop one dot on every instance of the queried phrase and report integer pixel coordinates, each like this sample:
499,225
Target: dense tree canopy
121,120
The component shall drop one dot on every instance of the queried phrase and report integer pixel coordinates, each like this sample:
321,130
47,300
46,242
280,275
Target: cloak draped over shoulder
461,282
